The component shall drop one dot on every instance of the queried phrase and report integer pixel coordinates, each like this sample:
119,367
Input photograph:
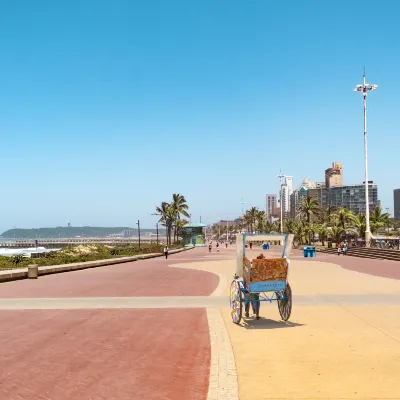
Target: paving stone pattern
223,383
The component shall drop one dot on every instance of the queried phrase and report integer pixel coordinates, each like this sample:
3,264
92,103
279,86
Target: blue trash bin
309,251
265,246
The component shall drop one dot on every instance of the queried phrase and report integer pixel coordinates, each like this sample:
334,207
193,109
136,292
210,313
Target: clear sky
108,107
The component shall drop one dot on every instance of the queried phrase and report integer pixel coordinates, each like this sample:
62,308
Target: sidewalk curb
22,273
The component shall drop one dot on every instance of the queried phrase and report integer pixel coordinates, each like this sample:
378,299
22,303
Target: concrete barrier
23,273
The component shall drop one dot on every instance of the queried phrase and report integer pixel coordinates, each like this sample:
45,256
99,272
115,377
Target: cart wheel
236,302
285,305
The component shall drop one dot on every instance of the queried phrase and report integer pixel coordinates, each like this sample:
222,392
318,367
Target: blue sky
108,107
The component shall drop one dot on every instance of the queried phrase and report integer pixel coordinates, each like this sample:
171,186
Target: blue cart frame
265,291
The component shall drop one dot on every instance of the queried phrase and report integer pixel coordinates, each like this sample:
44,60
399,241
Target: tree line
328,223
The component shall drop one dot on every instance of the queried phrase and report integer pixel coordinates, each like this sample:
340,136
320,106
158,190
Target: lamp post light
364,88
280,176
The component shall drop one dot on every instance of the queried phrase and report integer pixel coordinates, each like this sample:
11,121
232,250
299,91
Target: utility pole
363,89
138,224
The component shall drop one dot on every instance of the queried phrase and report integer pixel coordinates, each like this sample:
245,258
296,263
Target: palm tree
325,215
336,232
378,220
312,229
308,207
167,218
289,226
323,234
260,221
344,217
360,225
250,218
299,232
179,207
179,226
268,227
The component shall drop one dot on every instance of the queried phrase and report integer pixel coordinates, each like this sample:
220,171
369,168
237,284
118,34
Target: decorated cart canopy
243,238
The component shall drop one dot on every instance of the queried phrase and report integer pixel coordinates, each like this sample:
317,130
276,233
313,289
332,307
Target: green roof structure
195,225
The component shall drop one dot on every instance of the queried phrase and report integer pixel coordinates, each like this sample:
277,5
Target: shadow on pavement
265,323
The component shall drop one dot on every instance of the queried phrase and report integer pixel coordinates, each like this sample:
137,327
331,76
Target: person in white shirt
166,251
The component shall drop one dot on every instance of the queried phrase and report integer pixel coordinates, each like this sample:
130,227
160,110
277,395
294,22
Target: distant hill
72,231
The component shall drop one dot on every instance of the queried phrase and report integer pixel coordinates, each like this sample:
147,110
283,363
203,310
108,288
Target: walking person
345,247
339,248
166,250
209,247
217,246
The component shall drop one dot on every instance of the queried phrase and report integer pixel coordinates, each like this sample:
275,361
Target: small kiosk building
193,234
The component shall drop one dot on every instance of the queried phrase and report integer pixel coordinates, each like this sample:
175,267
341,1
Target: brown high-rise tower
334,175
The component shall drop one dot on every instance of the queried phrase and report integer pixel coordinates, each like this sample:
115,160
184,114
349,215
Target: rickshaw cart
261,280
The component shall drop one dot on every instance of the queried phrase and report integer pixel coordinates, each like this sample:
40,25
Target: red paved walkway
141,278
108,354
104,355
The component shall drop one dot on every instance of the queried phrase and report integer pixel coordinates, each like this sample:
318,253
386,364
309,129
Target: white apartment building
287,190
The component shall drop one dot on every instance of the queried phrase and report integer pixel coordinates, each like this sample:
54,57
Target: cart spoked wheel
285,302
236,302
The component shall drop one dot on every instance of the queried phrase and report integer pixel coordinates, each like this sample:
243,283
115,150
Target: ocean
27,252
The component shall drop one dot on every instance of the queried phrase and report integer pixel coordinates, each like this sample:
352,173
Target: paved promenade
161,329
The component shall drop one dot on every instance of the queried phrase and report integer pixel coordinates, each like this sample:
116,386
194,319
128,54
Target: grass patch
81,253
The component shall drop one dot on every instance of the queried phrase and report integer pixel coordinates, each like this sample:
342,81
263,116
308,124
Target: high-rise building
308,183
334,175
285,198
296,199
352,197
270,204
396,203
320,194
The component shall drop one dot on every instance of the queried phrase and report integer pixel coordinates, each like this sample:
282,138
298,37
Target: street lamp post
157,232
219,228
280,176
138,224
364,88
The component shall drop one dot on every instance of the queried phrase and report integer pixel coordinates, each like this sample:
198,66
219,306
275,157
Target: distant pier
51,243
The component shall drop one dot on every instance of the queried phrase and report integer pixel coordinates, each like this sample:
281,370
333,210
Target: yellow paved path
342,343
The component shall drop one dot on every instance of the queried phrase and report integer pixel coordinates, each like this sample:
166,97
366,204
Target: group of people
216,245
342,248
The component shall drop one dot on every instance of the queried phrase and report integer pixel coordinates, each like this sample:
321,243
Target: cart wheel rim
235,302
285,305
